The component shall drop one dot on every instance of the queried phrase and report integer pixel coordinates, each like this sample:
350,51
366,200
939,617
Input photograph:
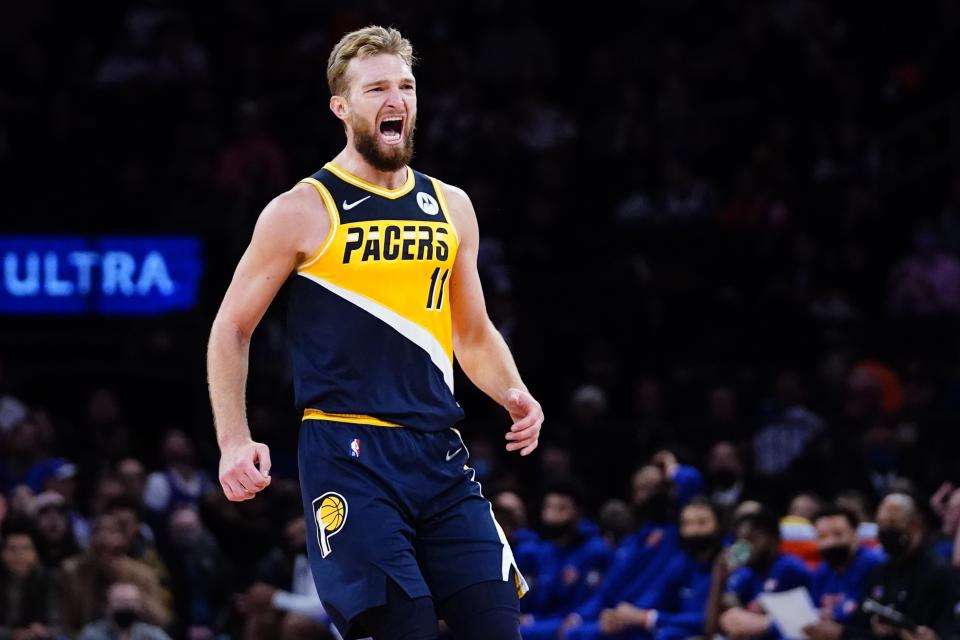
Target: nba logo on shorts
355,448
329,514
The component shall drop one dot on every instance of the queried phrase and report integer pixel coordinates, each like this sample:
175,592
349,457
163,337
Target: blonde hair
362,43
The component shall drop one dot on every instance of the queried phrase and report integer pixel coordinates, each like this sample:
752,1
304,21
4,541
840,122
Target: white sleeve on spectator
307,605
304,598
156,493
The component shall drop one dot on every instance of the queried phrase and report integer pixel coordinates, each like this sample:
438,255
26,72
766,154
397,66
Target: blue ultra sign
105,275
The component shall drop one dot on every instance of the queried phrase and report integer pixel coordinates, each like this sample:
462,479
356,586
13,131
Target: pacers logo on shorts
330,514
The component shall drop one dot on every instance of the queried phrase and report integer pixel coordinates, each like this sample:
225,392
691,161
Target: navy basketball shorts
394,503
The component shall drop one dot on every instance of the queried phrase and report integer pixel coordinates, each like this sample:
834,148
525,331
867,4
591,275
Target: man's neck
352,162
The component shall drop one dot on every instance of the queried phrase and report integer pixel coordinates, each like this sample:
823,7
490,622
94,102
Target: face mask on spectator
895,541
557,530
836,556
723,478
699,544
124,618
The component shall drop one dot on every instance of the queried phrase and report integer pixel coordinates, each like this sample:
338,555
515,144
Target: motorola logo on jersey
395,242
428,203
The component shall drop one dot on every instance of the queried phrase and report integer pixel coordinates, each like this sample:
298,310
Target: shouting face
379,110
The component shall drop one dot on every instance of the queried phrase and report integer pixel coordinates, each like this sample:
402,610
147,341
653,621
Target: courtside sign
99,275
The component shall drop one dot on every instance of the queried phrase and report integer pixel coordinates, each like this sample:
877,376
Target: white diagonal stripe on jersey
405,327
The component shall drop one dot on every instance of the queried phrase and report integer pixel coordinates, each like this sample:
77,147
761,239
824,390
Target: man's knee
482,611
401,618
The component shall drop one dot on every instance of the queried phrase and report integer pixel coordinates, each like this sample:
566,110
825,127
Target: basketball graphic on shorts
329,514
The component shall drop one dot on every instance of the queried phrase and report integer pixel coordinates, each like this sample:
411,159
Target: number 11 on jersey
435,289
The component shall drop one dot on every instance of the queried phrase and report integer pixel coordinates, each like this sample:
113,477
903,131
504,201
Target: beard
379,156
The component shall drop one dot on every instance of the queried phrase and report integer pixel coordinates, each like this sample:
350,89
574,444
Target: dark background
677,199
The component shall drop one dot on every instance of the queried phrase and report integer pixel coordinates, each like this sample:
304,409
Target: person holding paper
914,582
733,608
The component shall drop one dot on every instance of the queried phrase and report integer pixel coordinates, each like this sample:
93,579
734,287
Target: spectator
511,513
201,577
733,606
946,504
913,580
132,475
726,475
839,582
856,502
926,282
640,556
568,562
284,593
181,482
138,541
22,450
673,607
780,442
804,506
616,521
28,603
123,620
86,579
55,538
61,478
12,409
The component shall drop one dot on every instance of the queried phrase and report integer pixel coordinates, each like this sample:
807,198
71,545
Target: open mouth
391,129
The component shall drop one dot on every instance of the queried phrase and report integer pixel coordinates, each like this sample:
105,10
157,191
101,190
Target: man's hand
624,616
882,629
240,479
527,417
920,633
741,623
610,622
824,630
632,616
939,500
721,568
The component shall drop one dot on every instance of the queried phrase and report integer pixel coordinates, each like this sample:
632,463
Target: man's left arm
479,348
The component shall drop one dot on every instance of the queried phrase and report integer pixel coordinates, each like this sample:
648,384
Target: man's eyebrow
383,80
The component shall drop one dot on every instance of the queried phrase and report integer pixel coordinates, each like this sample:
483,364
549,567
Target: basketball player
384,292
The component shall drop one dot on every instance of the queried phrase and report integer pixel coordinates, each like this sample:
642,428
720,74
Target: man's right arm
282,237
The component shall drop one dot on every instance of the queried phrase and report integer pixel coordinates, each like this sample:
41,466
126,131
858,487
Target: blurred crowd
735,241
682,558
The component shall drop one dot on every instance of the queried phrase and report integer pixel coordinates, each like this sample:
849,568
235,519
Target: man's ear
338,104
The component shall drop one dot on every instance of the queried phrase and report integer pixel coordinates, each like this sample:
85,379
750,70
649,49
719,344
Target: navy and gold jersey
369,317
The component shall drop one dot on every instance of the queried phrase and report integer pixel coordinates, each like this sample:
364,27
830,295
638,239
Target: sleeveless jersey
369,319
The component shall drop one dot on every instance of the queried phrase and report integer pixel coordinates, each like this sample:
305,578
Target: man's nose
394,98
